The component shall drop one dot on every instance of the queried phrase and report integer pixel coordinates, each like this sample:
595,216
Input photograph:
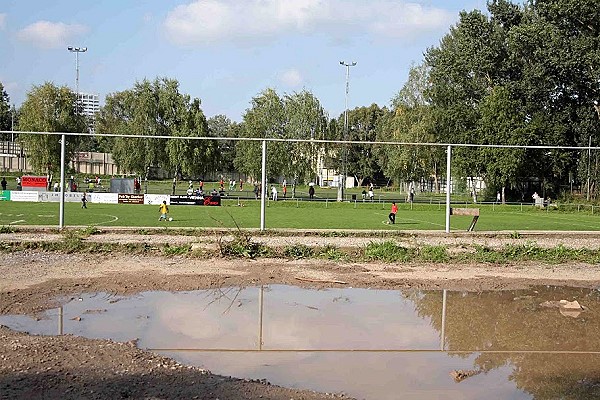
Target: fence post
326,201
448,181
263,187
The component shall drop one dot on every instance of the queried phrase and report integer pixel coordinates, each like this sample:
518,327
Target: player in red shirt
393,213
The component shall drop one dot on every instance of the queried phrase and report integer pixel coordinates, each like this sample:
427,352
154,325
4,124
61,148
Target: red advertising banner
34,181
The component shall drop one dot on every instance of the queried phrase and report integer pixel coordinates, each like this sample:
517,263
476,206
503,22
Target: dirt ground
65,366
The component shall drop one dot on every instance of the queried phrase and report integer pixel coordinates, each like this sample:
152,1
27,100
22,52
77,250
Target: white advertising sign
24,196
105,198
72,197
156,199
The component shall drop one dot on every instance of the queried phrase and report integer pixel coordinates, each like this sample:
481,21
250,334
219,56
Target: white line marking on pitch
114,219
16,222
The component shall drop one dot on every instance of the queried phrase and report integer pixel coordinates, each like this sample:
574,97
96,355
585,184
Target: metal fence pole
448,180
263,190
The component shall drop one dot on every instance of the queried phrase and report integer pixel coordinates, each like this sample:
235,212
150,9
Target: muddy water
371,344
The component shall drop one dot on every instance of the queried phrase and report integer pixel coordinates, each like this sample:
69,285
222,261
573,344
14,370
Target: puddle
371,344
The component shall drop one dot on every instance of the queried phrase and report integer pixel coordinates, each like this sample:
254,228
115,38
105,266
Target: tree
49,108
411,121
155,109
305,120
362,126
295,116
541,58
265,119
5,111
221,126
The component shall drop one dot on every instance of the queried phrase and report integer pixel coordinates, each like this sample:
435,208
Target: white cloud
291,78
2,21
47,34
214,21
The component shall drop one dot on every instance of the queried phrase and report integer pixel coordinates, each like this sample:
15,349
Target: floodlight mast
345,154
61,216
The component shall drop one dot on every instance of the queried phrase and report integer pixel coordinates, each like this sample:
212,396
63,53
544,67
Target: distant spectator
255,190
311,191
3,183
274,193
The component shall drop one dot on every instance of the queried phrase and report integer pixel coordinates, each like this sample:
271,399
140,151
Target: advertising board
196,200
156,199
71,197
24,196
103,198
28,181
127,198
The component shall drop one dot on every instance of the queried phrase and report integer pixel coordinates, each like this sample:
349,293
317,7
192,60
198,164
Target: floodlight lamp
70,48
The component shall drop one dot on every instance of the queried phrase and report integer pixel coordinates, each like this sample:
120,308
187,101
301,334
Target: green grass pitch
297,214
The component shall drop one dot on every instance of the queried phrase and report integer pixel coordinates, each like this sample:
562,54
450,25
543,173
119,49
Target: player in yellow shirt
164,211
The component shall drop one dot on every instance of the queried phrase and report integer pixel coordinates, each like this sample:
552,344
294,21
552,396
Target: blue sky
223,51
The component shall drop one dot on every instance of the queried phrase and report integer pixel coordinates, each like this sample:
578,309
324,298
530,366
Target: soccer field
297,214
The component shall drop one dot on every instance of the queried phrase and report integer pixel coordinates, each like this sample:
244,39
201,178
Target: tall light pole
77,50
61,217
345,155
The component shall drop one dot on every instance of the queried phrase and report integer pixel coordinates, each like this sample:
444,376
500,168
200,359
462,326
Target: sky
224,52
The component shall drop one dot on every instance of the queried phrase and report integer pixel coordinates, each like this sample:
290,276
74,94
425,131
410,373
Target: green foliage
243,246
156,109
90,230
5,111
333,253
433,253
515,235
169,250
411,121
387,251
7,229
363,124
523,75
298,251
49,108
298,116
221,126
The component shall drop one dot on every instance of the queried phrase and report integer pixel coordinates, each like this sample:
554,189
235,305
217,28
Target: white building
90,105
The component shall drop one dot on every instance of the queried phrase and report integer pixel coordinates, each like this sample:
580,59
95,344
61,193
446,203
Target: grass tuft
387,251
298,251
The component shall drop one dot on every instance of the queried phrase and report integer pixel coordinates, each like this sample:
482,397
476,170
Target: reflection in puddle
370,344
